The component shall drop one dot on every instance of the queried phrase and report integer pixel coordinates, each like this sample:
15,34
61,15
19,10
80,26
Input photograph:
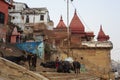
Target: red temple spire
102,36
76,25
61,24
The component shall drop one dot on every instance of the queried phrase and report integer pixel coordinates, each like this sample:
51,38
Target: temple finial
75,11
61,18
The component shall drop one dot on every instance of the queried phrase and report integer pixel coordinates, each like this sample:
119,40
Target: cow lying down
16,59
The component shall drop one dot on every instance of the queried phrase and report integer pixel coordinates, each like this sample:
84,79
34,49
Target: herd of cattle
64,66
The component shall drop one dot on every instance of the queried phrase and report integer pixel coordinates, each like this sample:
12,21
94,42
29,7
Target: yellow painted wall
97,59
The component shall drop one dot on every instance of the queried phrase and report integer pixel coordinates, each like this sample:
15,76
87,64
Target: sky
92,13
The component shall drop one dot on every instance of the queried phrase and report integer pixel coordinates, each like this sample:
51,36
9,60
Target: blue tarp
32,47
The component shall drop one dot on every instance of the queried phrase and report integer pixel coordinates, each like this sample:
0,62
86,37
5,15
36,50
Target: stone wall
99,57
95,59
12,71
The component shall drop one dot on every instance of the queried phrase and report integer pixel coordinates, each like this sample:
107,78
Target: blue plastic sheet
32,47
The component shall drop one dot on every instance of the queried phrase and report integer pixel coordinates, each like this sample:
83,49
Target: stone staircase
51,74
69,76
17,72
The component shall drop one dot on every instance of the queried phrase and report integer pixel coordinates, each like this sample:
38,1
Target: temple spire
75,12
61,23
76,25
61,18
101,35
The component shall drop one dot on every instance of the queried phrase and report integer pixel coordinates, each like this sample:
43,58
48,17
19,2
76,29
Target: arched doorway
2,18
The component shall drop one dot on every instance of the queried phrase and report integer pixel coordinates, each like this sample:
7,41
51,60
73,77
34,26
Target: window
41,17
2,17
27,19
13,17
13,6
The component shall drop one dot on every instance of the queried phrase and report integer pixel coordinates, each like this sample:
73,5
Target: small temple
77,31
63,41
83,45
102,36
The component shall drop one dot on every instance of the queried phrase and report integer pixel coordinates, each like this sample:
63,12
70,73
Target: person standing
29,59
57,63
76,66
34,61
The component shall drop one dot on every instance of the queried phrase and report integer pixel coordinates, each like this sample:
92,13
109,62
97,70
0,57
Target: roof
76,24
102,36
21,3
35,10
90,34
61,24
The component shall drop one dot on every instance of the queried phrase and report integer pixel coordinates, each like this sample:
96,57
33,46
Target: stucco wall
12,71
98,57
96,60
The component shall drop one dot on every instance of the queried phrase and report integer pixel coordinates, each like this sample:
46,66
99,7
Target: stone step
80,77
68,76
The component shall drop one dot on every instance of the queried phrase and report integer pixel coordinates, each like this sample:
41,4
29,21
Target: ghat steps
12,71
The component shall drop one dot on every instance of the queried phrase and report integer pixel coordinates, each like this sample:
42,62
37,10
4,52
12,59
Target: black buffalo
50,64
16,59
63,66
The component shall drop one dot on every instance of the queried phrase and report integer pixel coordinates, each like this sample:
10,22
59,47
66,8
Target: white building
15,13
22,16
32,16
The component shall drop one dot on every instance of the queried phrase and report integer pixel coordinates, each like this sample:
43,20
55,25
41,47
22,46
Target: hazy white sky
92,13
